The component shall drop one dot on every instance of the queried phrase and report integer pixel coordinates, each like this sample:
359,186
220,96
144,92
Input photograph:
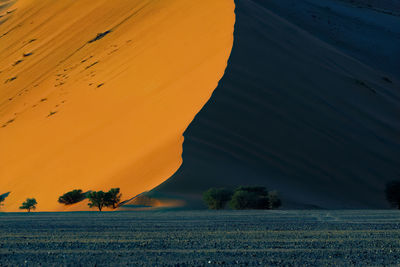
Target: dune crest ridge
97,94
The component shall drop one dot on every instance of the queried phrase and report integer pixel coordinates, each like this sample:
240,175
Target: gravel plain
201,238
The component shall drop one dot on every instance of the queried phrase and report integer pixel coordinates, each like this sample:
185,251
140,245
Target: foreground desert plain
199,238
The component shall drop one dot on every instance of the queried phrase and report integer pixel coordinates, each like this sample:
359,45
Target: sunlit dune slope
97,94
297,114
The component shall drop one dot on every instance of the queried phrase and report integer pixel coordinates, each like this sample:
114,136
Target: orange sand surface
81,112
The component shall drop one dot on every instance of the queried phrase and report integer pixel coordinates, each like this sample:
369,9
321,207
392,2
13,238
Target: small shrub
29,204
113,198
216,198
392,192
72,197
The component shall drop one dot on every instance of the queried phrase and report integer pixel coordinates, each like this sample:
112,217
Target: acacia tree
72,197
113,198
29,204
97,199
216,198
392,192
3,198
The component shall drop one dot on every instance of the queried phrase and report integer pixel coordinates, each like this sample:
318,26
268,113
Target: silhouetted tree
274,200
97,199
2,198
29,204
255,197
392,192
72,197
216,198
112,198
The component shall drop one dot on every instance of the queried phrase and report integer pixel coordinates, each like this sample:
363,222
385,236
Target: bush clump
217,198
274,201
244,197
113,198
72,197
250,198
392,192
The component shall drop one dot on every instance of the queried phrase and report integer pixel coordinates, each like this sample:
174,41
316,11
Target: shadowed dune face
97,94
297,115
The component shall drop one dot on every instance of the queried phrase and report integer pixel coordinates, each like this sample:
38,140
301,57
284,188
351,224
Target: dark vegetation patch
392,192
3,198
72,197
100,85
244,197
99,36
27,54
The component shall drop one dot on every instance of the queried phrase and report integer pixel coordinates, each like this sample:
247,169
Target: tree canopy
3,198
100,199
113,198
96,199
72,197
29,204
216,198
255,197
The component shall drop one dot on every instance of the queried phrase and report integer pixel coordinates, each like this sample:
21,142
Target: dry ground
199,238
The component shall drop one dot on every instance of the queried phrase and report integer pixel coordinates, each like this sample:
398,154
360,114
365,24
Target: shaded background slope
297,114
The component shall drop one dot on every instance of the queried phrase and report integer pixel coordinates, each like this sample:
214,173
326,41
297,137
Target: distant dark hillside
296,114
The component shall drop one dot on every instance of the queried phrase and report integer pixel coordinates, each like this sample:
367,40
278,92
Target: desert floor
199,238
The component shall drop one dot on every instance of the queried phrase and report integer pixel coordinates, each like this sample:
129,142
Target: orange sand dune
78,111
